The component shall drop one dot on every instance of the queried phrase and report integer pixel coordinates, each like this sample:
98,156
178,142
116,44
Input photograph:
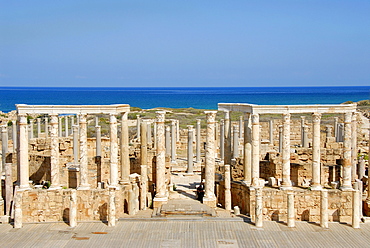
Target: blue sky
184,43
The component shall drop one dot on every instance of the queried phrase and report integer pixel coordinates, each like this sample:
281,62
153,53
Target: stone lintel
72,109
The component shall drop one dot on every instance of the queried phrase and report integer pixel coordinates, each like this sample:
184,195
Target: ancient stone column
112,207
236,142
324,217
255,150
84,171
356,209
290,209
8,187
38,127
316,159
247,150
155,135
354,147
18,213
98,139
217,137
303,118
31,129
60,127
286,182
73,209
259,208
4,145
190,150
305,137
54,153
22,161
280,139
149,134
227,130
173,141
227,187
144,144
168,141
46,120
160,197
222,139
241,127
361,168
125,156
177,130
336,128
271,131
198,159
138,120
347,165
328,131
143,186
113,151
66,133
14,136
210,198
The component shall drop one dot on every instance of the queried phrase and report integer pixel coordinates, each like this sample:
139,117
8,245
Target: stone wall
41,205
307,203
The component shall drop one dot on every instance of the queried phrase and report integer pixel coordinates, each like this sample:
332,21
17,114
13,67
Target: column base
124,182
159,201
246,183
286,188
316,187
210,202
54,187
83,187
346,188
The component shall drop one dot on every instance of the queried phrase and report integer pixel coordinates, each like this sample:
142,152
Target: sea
179,97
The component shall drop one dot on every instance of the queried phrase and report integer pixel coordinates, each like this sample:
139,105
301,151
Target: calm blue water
205,98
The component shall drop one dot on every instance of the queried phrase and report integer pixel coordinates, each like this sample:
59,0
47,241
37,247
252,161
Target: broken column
161,196
8,188
259,208
18,213
324,217
112,207
356,209
168,141
190,150
38,127
316,159
210,198
227,187
286,182
290,209
97,141
73,208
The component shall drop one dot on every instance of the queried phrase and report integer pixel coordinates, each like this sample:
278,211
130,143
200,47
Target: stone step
184,208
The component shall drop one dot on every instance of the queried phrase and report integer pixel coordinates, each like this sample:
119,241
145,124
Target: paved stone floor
224,231
184,233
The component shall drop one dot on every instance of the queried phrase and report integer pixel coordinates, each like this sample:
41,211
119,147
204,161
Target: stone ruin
283,168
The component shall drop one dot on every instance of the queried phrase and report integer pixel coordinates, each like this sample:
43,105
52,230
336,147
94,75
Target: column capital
160,115
173,122
303,118
54,119
227,115
348,117
316,117
82,118
255,118
211,115
286,117
22,119
236,128
198,121
112,119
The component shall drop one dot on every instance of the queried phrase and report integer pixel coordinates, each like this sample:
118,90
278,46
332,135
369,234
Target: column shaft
286,183
227,131
66,133
84,171
291,211
98,140
168,141
347,165
54,153
354,147
255,150
198,159
22,153
210,198
227,187
160,163
73,209
247,150
324,220
316,159
259,208
14,135
38,127
125,156
4,145
236,142
190,150
222,140
271,131
113,151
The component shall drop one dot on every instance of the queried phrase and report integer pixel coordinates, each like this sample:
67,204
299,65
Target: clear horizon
287,43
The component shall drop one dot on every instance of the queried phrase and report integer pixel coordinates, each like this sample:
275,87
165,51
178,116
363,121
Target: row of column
22,153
